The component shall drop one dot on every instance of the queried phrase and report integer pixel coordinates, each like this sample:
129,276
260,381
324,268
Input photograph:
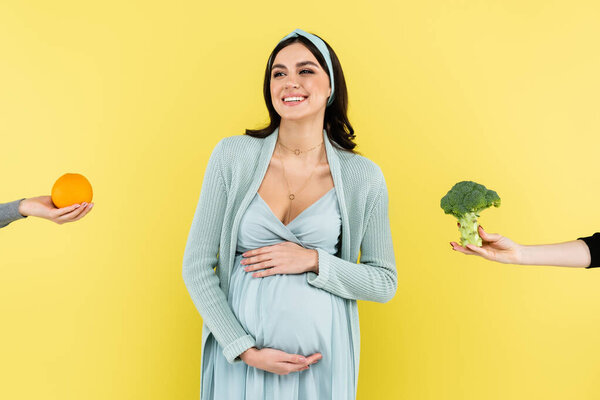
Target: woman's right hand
43,207
495,247
277,361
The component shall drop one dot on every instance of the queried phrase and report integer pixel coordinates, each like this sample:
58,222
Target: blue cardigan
234,173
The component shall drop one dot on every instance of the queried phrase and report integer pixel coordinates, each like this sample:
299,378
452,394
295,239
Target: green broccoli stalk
465,201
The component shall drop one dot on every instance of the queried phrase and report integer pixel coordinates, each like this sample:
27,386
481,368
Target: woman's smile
294,100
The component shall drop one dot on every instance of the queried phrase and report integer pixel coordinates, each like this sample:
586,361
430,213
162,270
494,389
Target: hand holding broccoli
465,201
495,247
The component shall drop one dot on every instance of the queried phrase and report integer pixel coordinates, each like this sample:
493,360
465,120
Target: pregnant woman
282,215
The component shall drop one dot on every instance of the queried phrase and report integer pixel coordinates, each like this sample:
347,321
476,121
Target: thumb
488,237
314,358
295,358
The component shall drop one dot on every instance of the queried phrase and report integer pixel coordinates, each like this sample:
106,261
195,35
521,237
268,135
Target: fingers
478,250
488,237
258,251
267,249
300,363
460,249
314,358
86,210
298,359
73,215
295,367
267,272
295,362
65,210
254,267
266,267
469,249
256,259
282,363
294,358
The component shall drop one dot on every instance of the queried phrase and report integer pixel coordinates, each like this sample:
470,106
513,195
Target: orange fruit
71,189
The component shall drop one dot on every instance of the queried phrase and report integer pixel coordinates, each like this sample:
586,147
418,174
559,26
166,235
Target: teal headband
320,45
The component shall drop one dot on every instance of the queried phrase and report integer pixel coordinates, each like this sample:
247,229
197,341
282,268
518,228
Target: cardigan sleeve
375,277
200,258
9,212
593,242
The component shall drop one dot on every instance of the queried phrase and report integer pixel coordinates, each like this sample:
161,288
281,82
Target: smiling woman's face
297,73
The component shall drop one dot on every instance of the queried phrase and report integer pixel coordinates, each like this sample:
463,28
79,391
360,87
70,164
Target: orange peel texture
71,189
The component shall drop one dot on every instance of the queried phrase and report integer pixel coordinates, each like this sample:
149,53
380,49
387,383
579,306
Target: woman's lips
293,103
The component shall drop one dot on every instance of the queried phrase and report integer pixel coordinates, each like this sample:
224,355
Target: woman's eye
276,74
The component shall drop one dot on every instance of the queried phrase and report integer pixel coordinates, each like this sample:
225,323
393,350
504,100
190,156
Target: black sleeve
593,243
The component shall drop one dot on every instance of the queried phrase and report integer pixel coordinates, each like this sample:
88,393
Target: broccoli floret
465,201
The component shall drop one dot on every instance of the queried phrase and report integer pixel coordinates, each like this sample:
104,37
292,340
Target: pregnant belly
282,311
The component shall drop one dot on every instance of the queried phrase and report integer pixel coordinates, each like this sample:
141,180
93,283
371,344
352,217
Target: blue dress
285,312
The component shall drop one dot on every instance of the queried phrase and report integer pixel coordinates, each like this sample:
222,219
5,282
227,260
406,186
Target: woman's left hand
281,258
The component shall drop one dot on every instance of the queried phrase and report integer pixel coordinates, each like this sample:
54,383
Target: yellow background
134,95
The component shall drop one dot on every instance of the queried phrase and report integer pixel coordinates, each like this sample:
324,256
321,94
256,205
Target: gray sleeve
9,212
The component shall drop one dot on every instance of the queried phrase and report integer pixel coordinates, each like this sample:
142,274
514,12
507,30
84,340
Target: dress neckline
301,212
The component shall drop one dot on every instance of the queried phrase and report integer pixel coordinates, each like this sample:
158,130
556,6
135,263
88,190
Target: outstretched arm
575,253
42,207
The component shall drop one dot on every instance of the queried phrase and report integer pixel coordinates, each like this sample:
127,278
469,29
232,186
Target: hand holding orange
71,189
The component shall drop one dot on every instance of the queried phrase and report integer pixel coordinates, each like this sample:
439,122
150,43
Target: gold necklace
298,151
291,195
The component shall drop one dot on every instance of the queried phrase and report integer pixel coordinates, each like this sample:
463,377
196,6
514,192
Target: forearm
375,277
210,301
355,281
201,256
568,254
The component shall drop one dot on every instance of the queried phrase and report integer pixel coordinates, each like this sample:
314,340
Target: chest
290,189
318,226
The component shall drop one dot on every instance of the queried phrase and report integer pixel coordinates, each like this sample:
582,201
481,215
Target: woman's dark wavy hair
336,121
